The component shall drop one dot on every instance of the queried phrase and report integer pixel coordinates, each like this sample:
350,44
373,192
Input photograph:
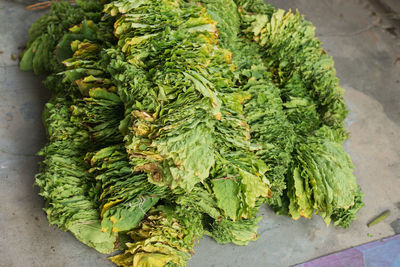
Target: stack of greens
174,119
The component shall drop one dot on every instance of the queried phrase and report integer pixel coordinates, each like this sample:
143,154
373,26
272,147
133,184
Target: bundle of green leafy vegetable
170,120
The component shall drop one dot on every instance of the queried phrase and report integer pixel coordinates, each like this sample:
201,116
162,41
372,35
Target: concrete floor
361,35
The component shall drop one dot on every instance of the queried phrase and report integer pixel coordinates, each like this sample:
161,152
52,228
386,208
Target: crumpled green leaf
64,182
322,180
238,233
166,235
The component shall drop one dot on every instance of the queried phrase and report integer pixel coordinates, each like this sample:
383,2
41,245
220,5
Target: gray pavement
361,35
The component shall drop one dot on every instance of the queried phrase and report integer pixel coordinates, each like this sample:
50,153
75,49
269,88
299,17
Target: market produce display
174,119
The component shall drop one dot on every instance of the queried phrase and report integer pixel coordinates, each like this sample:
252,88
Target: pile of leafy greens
174,119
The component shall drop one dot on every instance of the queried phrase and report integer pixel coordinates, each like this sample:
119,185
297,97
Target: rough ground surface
361,35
